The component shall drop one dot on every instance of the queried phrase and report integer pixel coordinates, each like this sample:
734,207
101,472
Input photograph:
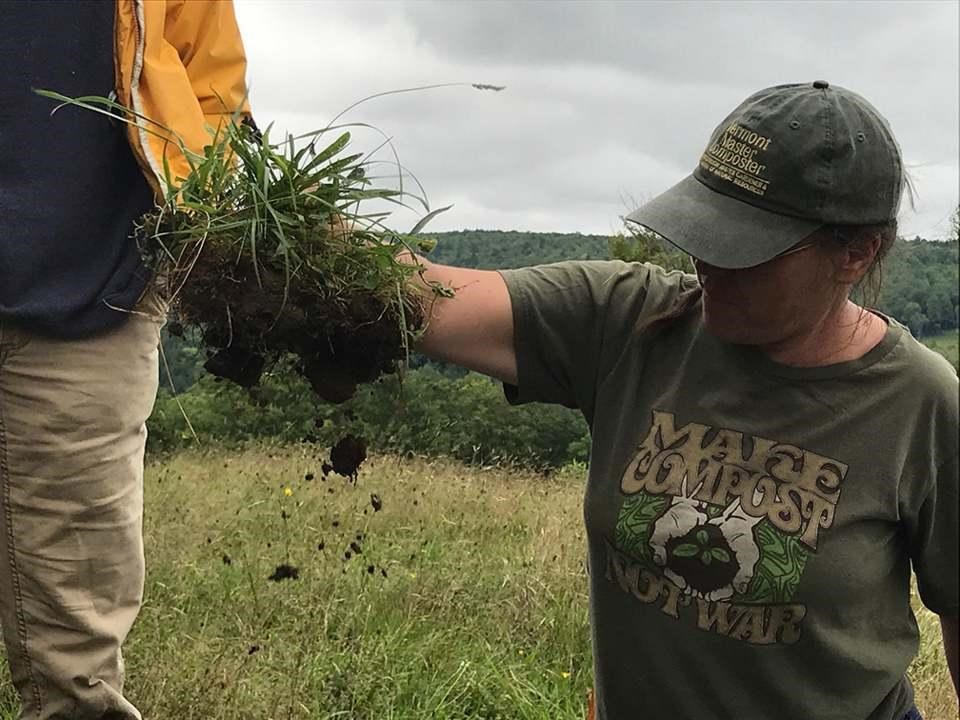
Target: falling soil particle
383,572
253,649
227,560
356,548
335,523
285,572
348,455
370,569
347,555
308,477
238,364
320,546
376,502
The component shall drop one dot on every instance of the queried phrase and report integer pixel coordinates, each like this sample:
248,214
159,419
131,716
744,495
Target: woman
769,458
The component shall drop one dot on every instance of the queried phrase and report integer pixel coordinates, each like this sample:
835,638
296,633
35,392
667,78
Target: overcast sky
607,103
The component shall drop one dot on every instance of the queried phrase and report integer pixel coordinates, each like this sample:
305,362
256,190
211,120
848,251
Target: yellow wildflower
287,492
565,675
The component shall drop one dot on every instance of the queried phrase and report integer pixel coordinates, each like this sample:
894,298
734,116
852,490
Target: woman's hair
840,236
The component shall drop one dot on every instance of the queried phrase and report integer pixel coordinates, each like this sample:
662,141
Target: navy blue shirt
70,187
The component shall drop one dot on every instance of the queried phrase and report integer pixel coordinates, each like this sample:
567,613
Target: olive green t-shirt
751,526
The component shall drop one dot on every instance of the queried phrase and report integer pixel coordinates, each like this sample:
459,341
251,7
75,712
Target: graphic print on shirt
718,525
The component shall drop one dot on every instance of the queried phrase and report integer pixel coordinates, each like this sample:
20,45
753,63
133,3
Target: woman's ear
854,259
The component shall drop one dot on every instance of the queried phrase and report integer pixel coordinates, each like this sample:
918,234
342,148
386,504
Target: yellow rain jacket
181,64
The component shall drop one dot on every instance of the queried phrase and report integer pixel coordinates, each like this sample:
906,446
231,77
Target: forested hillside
920,280
495,249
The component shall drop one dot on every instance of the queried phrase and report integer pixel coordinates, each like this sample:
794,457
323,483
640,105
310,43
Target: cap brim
720,230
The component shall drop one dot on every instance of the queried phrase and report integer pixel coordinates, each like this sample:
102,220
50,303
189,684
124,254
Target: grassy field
464,596
946,344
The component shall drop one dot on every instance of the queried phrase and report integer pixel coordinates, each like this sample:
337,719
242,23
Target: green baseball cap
789,160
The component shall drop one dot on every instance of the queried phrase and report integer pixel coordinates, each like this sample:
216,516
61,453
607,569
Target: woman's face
781,299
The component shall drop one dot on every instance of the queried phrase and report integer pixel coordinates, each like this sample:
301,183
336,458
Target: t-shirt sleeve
572,319
933,540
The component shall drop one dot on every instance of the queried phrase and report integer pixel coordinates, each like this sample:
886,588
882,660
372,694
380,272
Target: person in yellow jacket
79,326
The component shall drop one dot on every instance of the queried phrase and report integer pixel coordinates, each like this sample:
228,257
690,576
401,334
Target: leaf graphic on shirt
778,571
720,555
633,526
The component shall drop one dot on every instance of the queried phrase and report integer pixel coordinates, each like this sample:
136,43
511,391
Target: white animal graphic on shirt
685,514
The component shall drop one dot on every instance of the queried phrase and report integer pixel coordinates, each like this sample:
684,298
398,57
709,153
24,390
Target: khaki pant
72,437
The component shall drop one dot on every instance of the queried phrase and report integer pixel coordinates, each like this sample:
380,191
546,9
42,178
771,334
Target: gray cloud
605,100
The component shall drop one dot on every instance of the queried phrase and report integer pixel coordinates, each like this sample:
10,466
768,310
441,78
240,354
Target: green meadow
947,345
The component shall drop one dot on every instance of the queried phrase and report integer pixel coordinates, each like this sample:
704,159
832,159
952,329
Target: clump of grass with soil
268,249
